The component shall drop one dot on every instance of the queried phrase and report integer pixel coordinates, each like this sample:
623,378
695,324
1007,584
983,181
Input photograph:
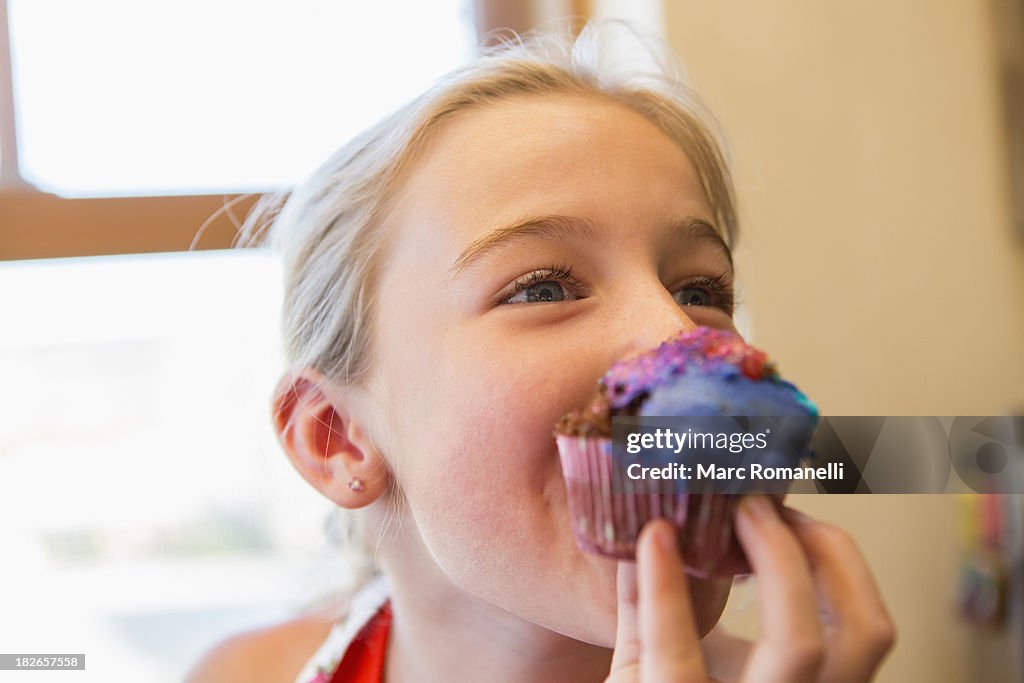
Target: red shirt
364,660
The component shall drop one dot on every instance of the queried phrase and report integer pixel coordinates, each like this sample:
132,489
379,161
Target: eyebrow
690,228
693,229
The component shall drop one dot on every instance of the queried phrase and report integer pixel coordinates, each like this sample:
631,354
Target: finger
860,632
791,647
669,642
626,658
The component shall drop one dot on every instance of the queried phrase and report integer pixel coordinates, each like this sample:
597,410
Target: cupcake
703,374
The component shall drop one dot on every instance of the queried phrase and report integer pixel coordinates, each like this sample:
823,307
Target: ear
319,431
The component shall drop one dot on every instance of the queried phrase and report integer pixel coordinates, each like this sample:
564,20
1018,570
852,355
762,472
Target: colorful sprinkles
705,350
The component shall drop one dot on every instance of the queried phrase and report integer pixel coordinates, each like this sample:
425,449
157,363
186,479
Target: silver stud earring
356,484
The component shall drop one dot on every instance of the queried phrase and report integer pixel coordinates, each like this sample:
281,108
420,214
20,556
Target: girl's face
536,241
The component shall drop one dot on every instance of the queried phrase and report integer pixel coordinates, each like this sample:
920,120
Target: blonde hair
329,232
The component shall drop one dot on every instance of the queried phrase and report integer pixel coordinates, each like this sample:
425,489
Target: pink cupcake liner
608,510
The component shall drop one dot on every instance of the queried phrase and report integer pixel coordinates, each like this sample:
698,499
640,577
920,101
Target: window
146,508
119,97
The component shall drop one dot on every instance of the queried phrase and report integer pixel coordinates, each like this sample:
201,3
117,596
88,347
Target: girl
458,277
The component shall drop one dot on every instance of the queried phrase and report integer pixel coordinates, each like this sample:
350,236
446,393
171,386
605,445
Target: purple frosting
704,372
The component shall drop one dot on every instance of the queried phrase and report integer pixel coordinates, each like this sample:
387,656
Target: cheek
485,470
476,459
483,423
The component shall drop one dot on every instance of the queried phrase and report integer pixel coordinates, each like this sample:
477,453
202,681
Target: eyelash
721,292
559,272
717,285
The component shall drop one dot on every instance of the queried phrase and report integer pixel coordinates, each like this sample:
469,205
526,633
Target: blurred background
145,507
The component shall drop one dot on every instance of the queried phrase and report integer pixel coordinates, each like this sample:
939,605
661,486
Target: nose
653,316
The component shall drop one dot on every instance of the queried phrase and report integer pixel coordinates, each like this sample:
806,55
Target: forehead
533,155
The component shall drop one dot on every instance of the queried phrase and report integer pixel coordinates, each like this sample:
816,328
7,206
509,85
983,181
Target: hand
823,620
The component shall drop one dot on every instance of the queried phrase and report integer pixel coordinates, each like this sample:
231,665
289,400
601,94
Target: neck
441,634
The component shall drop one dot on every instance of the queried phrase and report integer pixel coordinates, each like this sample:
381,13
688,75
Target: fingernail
757,507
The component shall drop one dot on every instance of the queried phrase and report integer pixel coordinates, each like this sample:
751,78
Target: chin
709,597
596,623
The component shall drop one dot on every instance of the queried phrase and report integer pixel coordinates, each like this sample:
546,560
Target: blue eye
547,285
707,291
693,296
547,290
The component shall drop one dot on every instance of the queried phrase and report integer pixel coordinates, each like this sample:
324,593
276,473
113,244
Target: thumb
667,628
